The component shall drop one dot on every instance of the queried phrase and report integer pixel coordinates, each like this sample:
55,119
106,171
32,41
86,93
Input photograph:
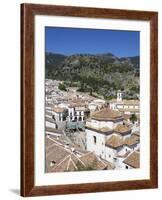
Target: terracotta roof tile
58,109
126,116
120,128
137,133
134,139
60,159
106,114
77,104
133,160
98,164
114,141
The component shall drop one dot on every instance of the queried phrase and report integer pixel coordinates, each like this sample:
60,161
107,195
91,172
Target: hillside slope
103,74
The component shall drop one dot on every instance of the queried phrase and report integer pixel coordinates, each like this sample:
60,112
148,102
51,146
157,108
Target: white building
118,148
125,106
59,113
99,128
77,111
109,138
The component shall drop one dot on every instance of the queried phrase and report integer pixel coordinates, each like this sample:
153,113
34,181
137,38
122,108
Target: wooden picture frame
28,12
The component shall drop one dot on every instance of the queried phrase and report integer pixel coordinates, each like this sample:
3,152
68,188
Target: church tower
119,96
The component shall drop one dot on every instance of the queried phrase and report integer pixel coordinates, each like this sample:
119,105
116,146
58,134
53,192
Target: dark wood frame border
28,11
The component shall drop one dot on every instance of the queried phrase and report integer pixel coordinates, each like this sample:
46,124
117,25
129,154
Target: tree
133,118
62,87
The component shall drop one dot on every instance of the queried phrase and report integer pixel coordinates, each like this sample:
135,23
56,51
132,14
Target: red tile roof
106,114
133,160
114,141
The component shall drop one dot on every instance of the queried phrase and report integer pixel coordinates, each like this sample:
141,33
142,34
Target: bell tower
119,96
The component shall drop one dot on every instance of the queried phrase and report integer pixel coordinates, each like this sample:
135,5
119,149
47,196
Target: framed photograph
88,99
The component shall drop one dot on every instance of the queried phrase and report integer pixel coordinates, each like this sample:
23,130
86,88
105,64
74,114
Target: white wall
10,97
99,146
50,124
119,163
110,154
103,124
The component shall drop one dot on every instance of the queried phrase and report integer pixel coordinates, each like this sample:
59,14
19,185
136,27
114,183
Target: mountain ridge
100,73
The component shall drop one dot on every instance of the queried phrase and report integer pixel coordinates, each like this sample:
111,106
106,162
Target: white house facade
59,113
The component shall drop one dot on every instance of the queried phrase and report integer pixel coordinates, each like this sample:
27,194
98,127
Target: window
59,117
56,126
94,139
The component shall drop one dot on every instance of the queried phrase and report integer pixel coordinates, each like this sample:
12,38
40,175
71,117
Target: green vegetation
102,74
72,84
62,87
133,118
110,97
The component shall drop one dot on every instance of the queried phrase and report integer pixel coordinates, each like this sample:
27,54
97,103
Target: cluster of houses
111,140
125,106
62,156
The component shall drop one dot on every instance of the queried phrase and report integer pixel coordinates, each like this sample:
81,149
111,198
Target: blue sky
69,41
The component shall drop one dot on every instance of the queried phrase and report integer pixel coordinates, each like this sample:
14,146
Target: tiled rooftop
106,114
133,160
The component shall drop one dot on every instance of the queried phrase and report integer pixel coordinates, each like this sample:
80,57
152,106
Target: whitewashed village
84,132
